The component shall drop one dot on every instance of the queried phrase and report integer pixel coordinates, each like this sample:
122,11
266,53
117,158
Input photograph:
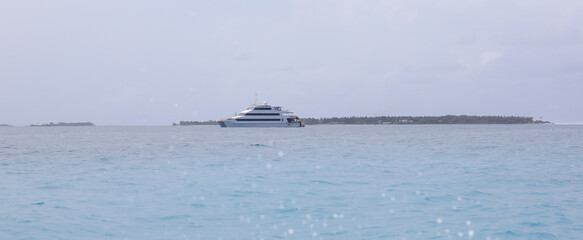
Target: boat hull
258,124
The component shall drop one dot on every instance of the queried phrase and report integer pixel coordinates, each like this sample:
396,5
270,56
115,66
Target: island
5,125
191,123
448,119
402,120
63,124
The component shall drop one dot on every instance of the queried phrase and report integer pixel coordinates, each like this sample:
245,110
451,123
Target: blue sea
317,182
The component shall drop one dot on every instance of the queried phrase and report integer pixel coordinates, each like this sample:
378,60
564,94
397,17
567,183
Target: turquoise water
318,182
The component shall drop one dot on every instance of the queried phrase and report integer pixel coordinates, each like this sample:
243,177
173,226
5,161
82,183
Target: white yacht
263,115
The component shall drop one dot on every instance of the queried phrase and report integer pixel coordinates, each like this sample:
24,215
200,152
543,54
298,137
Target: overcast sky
157,62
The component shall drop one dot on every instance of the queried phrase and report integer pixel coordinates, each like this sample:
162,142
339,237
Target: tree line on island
63,124
191,123
403,120
448,119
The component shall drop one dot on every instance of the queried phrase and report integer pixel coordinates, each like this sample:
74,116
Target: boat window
262,108
258,120
262,114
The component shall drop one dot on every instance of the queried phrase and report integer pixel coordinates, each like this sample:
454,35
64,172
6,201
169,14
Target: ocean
317,182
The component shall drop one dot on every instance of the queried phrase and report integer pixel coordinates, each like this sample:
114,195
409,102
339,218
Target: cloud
489,56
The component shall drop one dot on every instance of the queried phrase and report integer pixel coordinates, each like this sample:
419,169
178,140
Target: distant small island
5,125
402,120
63,124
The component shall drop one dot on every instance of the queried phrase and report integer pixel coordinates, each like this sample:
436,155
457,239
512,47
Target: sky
158,62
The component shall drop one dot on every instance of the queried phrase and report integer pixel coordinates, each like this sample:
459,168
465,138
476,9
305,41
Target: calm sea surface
317,182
